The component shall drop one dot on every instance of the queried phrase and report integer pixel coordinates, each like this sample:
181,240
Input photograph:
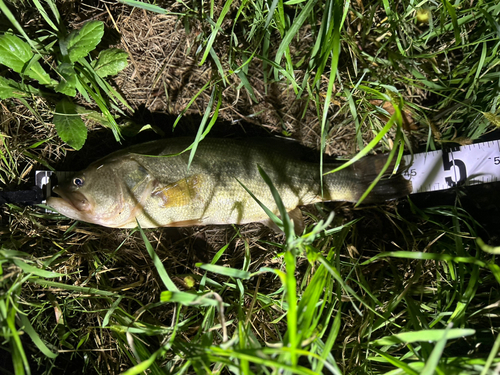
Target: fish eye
78,182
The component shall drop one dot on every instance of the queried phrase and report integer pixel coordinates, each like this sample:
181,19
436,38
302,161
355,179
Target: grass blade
287,223
35,270
28,328
396,362
433,360
45,16
338,20
268,212
491,357
369,147
202,132
424,335
148,7
226,271
158,263
215,29
290,33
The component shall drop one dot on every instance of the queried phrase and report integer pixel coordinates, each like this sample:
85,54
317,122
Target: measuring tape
468,165
474,164
43,179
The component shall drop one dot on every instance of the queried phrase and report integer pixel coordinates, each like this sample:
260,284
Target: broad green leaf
68,82
16,54
69,125
5,11
81,42
110,62
35,71
10,89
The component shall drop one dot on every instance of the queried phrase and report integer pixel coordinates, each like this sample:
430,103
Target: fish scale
142,184
218,198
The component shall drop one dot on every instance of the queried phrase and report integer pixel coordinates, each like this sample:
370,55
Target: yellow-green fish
139,185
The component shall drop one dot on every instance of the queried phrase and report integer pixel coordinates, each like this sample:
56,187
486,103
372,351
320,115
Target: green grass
373,290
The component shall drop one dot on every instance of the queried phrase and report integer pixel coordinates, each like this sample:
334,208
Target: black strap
23,197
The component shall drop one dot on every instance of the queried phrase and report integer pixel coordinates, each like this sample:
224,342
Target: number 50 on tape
465,165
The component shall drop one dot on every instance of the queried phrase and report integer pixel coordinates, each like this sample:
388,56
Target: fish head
108,193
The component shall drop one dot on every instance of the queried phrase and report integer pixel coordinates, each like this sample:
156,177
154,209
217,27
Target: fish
150,184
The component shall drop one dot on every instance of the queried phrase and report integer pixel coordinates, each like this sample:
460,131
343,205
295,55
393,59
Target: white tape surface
466,165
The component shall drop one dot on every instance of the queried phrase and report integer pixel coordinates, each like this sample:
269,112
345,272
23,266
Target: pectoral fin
179,193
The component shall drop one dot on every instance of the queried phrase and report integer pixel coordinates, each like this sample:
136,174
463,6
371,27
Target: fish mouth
64,207
60,192
73,205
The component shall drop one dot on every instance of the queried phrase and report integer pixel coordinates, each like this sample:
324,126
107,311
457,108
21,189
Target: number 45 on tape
465,165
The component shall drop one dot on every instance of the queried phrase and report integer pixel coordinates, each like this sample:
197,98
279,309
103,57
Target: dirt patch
164,75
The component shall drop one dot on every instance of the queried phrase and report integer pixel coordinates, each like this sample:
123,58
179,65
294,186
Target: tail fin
359,177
